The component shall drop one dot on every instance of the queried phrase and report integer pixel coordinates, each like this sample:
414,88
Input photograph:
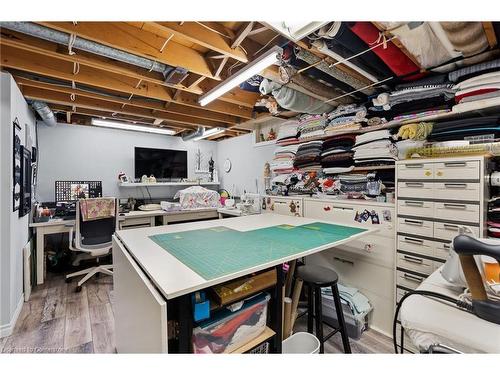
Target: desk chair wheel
78,289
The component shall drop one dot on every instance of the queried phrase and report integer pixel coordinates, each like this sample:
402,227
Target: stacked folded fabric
283,159
375,148
307,157
288,133
336,156
484,86
353,183
311,126
428,94
345,118
466,128
494,217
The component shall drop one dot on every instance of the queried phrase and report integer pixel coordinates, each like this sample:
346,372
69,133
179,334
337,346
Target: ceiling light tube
131,127
209,133
255,67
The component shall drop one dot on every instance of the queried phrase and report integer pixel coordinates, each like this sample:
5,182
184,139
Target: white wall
14,230
247,163
72,152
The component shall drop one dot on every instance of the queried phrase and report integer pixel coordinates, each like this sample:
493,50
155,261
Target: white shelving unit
140,184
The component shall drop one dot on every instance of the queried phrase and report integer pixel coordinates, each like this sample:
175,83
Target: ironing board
428,322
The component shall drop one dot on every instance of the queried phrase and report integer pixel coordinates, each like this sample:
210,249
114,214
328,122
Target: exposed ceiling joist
43,65
91,103
158,107
143,43
195,33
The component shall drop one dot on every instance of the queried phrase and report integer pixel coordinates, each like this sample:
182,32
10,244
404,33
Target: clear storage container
227,331
355,325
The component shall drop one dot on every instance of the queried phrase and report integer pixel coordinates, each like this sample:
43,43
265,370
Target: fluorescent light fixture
255,67
296,30
127,126
209,133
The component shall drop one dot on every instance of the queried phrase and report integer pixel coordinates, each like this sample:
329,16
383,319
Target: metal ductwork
196,133
45,112
66,39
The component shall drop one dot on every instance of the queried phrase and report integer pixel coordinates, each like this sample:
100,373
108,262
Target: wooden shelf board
264,336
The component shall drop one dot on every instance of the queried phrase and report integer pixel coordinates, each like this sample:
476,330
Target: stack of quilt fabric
307,158
374,149
336,156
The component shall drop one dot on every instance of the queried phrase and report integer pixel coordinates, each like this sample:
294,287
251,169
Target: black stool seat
315,278
320,276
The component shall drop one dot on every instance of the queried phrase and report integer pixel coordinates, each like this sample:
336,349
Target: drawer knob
369,247
327,208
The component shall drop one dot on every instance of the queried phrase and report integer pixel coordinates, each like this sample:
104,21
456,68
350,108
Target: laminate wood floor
58,320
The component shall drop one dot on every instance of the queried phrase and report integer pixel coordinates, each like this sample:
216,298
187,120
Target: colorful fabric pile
484,86
288,133
345,118
283,159
375,148
307,158
336,156
311,126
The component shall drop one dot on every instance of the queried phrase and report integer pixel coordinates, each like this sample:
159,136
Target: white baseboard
7,329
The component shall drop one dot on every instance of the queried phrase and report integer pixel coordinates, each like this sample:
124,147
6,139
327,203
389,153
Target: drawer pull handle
343,208
446,246
414,240
455,186
455,206
412,278
414,204
414,222
326,208
414,165
455,164
450,227
413,260
414,184
344,261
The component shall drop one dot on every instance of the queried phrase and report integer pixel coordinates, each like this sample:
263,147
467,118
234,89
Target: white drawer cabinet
435,199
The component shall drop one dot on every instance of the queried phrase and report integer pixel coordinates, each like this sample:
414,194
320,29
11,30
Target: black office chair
93,239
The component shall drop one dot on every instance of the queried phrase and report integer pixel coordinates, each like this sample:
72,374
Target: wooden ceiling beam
28,43
91,103
92,113
490,34
157,107
195,33
45,66
125,37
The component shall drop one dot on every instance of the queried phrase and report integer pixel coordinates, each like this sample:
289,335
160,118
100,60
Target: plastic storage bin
355,325
300,343
227,331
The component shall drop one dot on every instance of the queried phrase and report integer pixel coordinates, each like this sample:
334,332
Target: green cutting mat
219,251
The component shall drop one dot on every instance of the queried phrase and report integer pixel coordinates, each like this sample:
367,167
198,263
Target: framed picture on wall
16,165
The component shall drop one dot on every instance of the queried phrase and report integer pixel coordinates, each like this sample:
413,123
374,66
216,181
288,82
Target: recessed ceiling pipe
46,33
196,133
45,112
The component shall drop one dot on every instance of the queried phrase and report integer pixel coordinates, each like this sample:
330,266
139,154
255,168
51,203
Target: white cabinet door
140,311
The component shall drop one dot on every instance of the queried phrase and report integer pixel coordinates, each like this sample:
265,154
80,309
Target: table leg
277,308
40,245
185,324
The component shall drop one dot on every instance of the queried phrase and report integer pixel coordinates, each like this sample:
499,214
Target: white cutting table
146,276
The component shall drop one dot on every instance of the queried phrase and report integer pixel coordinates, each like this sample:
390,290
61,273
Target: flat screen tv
163,164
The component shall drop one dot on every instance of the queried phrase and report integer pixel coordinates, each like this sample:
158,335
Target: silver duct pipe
45,112
196,133
55,36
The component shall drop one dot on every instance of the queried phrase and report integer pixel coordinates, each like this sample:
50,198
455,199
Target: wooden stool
315,278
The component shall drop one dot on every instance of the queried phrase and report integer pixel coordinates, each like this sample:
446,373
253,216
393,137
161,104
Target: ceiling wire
213,30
